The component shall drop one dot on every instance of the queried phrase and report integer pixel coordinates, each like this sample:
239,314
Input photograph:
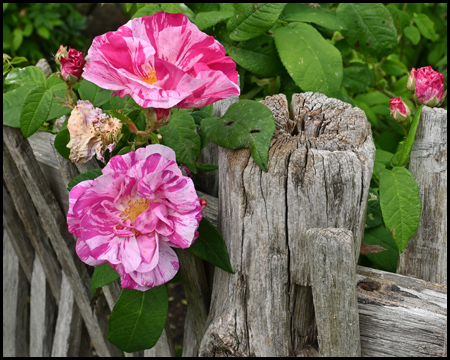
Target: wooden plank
13,226
68,324
63,243
31,222
399,315
43,311
425,256
16,290
333,277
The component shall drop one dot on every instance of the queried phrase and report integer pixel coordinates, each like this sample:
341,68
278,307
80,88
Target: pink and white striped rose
133,214
427,86
162,61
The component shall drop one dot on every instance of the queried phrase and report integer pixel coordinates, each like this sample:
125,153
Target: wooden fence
293,235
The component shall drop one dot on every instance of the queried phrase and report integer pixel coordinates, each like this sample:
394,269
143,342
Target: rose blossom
428,86
72,63
133,214
162,61
91,132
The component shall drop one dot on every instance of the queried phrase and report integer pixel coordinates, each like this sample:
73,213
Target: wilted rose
91,132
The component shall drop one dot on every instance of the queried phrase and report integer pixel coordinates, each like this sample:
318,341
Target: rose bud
411,83
203,203
429,87
72,64
400,113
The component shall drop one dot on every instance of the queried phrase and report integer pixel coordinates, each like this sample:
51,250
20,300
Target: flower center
135,208
151,77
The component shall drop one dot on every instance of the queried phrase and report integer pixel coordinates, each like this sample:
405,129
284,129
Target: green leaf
35,110
30,75
412,33
383,156
138,319
95,94
357,78
305,13
384,260
181,135
17,38
211,247
204,20
250,20
426,26
400,204
370,28
411,137
103,275
61,141
313,63
87,175
43,32
373,215
206,167
147,10
175,8
12,105
246,124
258,56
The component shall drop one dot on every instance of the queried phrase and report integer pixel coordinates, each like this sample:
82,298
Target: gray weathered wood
333,279
31,222
68,324
318,176
425,256
56,229
16,290
42,313
14,228
399,315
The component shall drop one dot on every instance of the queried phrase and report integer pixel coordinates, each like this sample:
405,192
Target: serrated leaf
385,260
412,33
211,247
204,20
103,275
138,318
58,88
95,94
35,110
250,20
30,75
87,175
411,137
258,56
357,78
181,136
313,63
305,13
12,105
370,28
61,141
400,204
246,124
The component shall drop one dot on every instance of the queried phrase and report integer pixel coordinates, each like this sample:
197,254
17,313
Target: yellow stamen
151,77
135,208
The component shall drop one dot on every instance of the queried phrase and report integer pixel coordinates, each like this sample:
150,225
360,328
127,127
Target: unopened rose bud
400,113
72,64
203,203
411,83
429,87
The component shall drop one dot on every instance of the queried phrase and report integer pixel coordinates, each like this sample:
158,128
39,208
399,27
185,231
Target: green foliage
103,275
138,318
36,30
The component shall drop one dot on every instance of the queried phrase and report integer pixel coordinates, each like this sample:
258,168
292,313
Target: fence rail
392,315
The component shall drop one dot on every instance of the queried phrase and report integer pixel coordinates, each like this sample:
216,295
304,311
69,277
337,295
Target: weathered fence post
320,166
425,256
